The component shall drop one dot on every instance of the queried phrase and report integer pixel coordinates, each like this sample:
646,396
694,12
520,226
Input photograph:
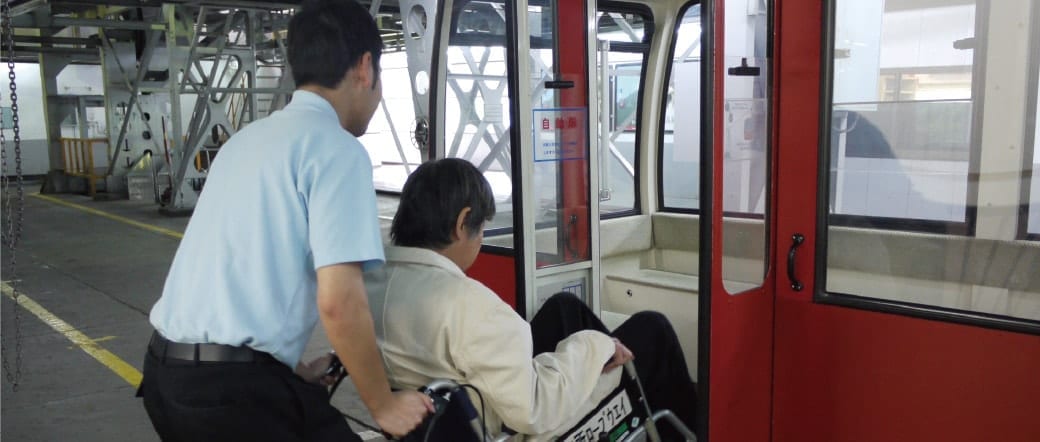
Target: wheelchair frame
639,433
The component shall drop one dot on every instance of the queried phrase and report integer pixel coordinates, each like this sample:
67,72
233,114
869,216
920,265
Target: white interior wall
31,120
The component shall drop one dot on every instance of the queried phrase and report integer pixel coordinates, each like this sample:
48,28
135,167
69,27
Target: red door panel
498,272
843,374
853,375
741,366
741,342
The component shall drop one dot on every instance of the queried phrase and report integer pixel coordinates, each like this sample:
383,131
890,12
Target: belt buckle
211,353
224,353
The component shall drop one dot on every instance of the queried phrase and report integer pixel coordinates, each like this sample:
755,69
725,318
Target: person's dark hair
431,201
327,38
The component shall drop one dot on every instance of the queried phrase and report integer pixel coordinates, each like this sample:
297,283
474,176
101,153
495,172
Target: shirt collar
417,255
307,100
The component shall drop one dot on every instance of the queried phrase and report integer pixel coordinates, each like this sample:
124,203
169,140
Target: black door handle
797,239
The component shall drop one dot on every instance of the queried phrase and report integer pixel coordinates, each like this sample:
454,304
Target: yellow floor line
101,213
119,366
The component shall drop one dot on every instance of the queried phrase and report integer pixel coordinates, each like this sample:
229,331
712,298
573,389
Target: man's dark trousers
658,356
261,400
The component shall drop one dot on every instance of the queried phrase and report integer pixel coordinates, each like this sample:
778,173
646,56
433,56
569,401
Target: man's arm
343,308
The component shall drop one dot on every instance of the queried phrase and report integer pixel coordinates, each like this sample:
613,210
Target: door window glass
913,148
745,116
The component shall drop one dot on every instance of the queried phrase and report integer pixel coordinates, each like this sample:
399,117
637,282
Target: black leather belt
164,349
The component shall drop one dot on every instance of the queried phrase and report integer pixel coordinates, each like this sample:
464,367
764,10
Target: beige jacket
433,322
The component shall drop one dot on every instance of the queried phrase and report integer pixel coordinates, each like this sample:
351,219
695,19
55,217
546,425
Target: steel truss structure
180,77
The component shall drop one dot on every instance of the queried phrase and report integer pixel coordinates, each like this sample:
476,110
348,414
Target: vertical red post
572,44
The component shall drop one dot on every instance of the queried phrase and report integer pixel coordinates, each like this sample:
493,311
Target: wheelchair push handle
336,370
442,391
336,367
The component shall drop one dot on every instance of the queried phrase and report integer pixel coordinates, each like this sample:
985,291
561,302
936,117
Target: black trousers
228,401
658,357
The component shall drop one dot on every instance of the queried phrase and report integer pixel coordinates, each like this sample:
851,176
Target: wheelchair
623,416
637,423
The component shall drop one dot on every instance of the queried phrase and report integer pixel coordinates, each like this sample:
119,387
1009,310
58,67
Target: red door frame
571,67
843,374
571,29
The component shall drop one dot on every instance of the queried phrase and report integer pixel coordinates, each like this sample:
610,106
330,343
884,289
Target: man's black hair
327,38
431,201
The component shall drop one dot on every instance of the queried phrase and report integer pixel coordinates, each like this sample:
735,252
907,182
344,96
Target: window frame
667,77
649,28
1031,138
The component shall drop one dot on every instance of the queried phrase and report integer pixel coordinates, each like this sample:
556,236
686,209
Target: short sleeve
342,220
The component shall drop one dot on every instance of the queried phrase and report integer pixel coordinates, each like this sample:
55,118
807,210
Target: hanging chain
13,210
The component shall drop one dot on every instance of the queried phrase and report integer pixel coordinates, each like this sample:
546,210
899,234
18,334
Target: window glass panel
389,139
681,140
912,144
479,20
902,116
550,233
623,49
745,144
476,102
625,27
476,109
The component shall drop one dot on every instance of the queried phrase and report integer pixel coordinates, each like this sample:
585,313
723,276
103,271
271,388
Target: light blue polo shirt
287,195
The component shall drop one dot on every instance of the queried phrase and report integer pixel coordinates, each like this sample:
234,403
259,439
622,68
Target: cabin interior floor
86,275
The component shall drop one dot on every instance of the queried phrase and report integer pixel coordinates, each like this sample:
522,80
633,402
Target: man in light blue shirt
279,238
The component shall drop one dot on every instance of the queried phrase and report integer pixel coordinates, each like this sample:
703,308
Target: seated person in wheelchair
537,379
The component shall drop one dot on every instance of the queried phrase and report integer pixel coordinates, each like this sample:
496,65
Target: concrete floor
100,276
